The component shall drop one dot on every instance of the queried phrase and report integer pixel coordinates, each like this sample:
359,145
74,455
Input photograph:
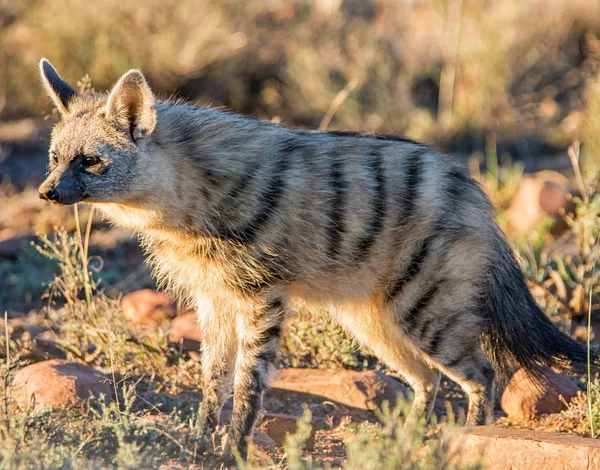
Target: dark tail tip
518,333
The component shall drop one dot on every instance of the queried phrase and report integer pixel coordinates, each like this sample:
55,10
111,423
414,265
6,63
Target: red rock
520,449
524,398
148,308
364,390
278,426
57,384
542,194
185,330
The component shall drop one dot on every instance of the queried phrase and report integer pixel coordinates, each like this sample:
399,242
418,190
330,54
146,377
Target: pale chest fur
129,217
190,264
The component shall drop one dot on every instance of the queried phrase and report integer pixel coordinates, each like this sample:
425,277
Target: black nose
50,195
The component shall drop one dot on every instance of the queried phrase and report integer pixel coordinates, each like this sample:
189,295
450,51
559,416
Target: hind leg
424,381
452,343
476,377
377,331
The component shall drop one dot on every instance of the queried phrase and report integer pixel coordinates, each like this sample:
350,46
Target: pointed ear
131,101
59,90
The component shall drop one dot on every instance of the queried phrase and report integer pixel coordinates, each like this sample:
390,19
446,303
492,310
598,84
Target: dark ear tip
46,67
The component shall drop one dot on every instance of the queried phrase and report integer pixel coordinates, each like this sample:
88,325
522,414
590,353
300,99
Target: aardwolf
248,220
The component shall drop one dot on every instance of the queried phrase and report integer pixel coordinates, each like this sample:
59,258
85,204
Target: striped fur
250,220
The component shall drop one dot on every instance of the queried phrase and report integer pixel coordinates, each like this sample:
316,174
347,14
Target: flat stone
519,449
363,390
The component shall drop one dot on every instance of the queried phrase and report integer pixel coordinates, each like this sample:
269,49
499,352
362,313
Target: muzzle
65,191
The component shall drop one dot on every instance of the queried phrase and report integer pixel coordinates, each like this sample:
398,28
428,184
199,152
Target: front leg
219,343
259,334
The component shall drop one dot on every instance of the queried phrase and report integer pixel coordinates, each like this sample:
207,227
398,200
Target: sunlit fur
249,221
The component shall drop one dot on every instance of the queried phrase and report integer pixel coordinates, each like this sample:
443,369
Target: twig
6,397
448,76
114,379
175,441
84,260
336,103
589,353
133,339
574,156
88,231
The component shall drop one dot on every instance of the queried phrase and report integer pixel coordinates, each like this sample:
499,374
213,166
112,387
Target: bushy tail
518,333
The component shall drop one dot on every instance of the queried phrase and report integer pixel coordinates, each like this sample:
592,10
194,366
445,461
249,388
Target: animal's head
96,147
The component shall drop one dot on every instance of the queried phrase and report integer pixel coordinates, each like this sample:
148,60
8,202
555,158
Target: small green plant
399,443
314,340
295,444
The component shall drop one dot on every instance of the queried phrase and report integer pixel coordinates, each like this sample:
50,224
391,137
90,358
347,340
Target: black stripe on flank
291,144
336,215
268,204
244,181
458,183
424,329
434,344
411,318
459,177
375,167
457,360
413,268
414,177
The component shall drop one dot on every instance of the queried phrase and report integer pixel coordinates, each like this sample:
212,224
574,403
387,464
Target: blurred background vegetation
462,74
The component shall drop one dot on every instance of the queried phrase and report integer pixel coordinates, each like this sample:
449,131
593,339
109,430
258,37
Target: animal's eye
90,161
54,157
